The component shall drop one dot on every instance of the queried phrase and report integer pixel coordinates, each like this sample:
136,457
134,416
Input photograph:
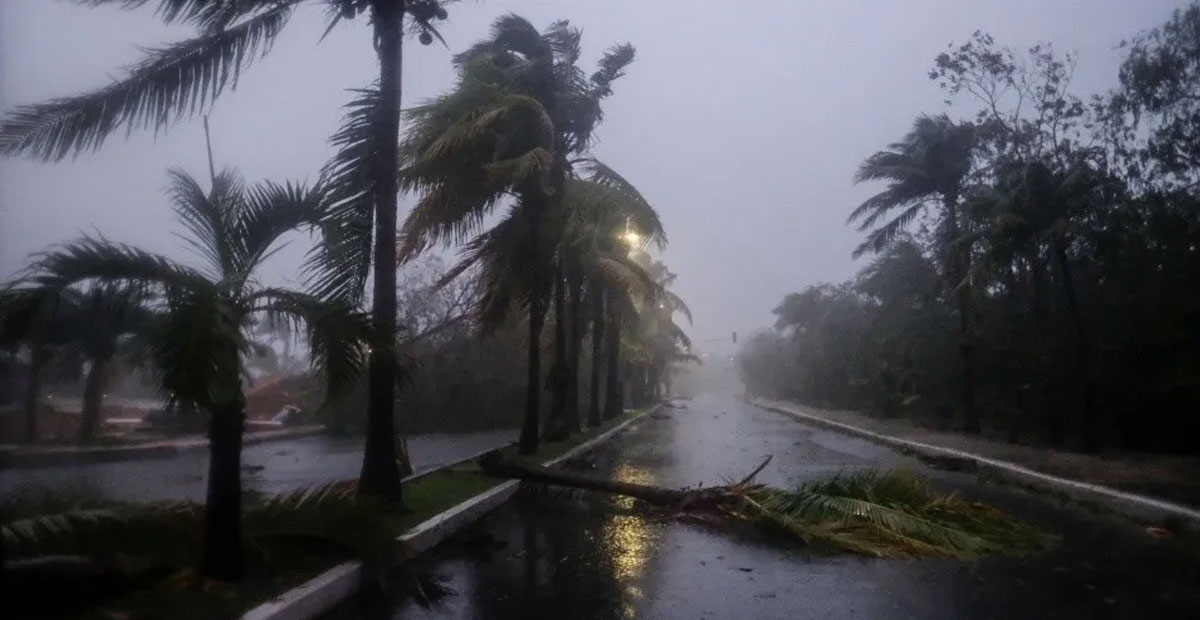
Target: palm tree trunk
614,397
93,400
558,371
575,338
223,504
528,442
38,356
597,302
1082,348
380,475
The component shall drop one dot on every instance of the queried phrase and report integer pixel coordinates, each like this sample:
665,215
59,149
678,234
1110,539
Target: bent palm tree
928,167
600,209
199,344
178,80
519,107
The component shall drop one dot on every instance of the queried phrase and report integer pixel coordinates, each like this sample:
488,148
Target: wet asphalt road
271,467
573,555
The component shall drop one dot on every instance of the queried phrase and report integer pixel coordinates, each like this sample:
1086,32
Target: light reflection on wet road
568,555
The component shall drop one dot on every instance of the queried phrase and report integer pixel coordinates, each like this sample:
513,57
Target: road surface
270,467
580,556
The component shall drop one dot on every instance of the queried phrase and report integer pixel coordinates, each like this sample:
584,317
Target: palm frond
897,196
509,33
563,40
880,238
206,215
893,514
338,266
337,334
209,15
56,532
270,211
639,211
169,83
99,259
612,66
677,304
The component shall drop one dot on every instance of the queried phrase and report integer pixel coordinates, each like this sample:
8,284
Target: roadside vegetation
995,241
563,274
1032,264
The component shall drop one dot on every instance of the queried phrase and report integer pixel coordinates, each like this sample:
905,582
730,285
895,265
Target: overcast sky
742,122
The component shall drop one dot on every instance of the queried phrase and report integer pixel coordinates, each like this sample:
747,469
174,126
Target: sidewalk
1171,477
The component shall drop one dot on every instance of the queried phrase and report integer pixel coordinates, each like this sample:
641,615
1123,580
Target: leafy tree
178,80
200,344
1076,232
1154,116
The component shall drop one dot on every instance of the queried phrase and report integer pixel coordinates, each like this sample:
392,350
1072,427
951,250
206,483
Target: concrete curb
325,591
1139,507
19,458
313,597
428,534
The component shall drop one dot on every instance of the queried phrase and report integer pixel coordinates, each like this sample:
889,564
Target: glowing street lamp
631,238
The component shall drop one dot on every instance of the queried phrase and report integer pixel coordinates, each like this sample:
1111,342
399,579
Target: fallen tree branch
889,514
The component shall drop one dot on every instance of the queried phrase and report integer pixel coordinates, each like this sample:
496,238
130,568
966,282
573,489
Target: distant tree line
1035,266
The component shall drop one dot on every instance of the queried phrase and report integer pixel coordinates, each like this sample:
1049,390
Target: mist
742,123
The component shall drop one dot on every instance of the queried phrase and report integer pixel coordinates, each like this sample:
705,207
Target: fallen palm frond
888,514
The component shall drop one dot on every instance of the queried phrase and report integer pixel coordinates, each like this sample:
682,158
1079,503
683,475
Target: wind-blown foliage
520,107
1071,250
171,82
201,336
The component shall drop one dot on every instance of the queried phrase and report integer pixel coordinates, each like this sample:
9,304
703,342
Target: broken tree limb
494,464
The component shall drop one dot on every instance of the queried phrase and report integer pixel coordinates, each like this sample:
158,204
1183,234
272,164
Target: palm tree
102,319
198,346
600,210
656,341
178,80
928,167
39,321
519,108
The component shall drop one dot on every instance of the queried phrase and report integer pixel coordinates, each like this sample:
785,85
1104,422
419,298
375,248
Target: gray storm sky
741,121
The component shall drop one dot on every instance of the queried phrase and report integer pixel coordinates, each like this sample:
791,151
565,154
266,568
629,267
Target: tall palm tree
198,346
520,107
178,80
927,168
600,209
